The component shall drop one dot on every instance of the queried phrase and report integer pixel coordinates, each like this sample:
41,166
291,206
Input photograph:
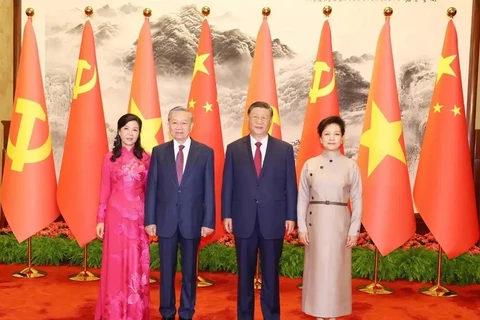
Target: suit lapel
170,161
268,155
191,159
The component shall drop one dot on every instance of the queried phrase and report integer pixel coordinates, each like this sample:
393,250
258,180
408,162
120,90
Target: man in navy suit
179,208
259,200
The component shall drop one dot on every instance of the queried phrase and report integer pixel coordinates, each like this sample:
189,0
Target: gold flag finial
205,11
147,12
266,11
327,10
29,12
88,11
387,12
451,12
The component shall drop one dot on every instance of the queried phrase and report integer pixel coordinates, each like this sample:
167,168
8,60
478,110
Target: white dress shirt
186,149
263,147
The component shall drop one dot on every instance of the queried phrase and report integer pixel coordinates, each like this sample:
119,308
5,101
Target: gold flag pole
257,281
202,282
327,10
29,272
84,275
375,287
438,290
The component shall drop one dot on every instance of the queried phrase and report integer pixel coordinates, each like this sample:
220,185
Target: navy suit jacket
272,196
188,206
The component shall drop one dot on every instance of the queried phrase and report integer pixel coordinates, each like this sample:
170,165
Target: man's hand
151,230
227,224
206,231
289,226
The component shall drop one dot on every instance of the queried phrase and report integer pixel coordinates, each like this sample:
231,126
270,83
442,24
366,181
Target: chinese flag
85,147
144,101
444,189
387,202
262,85
322,99
202,102
29,182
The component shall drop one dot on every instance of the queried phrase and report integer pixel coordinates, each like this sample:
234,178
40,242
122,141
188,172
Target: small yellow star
382,139
445,68
455,110
275,119
437,108
200,64
207,106
191,104
150,127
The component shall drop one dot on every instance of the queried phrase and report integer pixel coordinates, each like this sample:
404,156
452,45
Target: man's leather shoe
185,319
164,318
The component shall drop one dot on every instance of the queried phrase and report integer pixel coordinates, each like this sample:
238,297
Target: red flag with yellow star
29,182
444,190
322,99
144,101
262,85
86,144
387,202
202,102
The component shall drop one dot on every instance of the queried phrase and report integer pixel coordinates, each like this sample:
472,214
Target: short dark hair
260,104
328,121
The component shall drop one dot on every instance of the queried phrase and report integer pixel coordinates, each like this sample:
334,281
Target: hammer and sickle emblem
315,91
275,119
20,153
82,88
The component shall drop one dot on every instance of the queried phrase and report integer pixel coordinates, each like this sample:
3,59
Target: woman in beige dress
325,225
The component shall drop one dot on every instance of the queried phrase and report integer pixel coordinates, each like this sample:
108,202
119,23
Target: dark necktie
179,163
257,159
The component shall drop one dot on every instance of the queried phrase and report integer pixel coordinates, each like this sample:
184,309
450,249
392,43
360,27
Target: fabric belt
333,203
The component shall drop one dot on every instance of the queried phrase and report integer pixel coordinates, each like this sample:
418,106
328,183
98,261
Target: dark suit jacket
190,205
272,196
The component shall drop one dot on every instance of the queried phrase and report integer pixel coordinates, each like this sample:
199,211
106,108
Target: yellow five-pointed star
382,139
437,108
200,64
455,110
445,68
207,106
275,119
191,104
150,127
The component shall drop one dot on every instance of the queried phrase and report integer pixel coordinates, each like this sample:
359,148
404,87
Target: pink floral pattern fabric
125,276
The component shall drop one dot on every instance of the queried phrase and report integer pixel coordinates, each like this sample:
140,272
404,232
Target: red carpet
54,297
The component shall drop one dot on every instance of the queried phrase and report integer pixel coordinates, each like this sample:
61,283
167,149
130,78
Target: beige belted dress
326,185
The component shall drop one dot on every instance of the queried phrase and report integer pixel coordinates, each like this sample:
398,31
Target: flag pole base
153,279
29,273
300,286
438,291
202,282
374,288
84,276
257,283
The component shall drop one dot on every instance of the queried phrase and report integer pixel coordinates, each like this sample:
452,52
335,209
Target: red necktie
179,163
257,159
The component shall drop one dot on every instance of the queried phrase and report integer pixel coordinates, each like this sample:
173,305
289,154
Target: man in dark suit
179,208
259,199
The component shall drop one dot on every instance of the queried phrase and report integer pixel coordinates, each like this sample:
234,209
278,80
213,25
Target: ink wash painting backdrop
417,29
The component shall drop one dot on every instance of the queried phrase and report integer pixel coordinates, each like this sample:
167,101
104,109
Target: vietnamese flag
144,101
203,104
322,99
262,85
29,182
387,202
444,190
86,144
